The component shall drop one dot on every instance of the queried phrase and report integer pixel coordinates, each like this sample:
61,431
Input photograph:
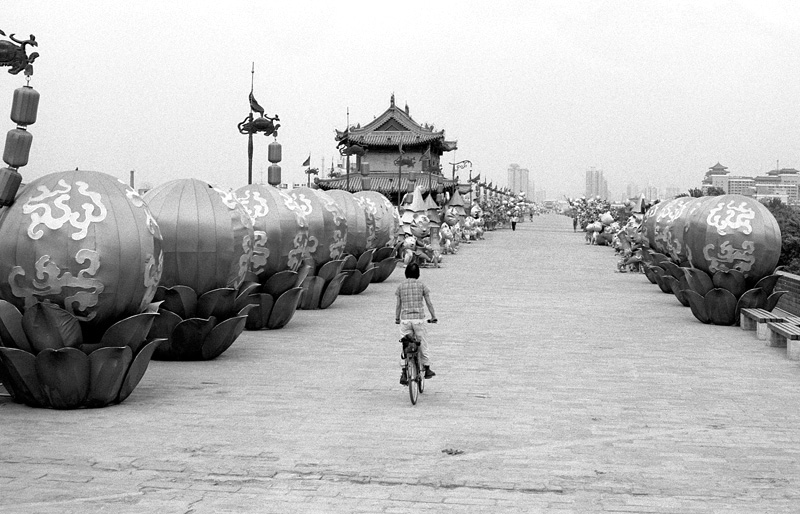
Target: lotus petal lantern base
198,328
276,301
322,289
719,299
46,362
359,273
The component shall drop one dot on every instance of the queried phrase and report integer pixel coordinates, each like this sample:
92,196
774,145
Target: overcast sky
650,92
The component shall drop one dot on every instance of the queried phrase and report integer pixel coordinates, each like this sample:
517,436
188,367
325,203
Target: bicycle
413,366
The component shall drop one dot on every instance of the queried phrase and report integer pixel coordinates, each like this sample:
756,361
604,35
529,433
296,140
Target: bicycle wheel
413,385
420,377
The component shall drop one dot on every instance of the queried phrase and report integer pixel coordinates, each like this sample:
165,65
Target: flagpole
347,171
250,135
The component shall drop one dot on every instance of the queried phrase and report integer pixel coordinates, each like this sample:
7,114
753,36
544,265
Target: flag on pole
307,162
477,178
427,154
254,105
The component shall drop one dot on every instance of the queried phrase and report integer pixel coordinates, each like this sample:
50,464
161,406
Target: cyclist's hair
412,270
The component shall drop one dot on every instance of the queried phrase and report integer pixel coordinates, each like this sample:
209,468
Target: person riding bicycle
410,315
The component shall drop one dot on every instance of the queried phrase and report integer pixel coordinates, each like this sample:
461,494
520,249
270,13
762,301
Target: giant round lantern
327,224
733,232
360,227
386,219
80,262
82,240
668,227
208,235
280,229
649,224
208,244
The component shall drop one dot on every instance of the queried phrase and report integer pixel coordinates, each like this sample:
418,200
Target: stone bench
784,334
757,319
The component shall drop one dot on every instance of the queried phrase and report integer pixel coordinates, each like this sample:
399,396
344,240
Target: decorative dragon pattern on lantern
60,197
728,257
50,280
737,218
339,237
370,210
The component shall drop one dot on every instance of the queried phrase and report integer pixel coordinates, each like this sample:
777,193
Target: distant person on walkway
514,220
574,224
410,315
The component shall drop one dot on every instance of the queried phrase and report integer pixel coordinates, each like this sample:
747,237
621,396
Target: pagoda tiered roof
394,127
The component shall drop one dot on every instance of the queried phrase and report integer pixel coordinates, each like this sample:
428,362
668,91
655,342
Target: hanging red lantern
274,175
274,153
18,147
25,106
10,180
412,179
365,180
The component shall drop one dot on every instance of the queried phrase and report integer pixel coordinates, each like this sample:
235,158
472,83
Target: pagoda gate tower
395,148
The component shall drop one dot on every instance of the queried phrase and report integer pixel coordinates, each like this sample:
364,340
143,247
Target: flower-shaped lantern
360,245
208,244
81,260
328,230
387,225
280,242
732,244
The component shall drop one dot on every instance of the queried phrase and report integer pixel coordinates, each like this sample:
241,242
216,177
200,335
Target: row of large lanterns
87,264
716,254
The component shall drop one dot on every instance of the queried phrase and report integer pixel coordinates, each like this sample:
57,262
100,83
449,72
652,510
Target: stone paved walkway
567,386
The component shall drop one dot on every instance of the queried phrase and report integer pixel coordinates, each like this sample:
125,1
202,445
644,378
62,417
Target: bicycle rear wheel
413,385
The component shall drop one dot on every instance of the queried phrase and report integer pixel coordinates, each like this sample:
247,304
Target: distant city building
671,192
651,193
596,184
518,179
778,183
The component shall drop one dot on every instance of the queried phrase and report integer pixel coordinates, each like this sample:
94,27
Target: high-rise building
671,192
518,179
596,184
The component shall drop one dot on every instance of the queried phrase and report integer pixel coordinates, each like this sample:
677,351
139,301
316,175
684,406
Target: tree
788,220
715,191
696,192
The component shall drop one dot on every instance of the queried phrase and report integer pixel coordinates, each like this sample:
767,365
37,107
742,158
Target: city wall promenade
562,386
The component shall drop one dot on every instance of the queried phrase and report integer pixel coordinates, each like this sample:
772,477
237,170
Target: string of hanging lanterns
24,109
